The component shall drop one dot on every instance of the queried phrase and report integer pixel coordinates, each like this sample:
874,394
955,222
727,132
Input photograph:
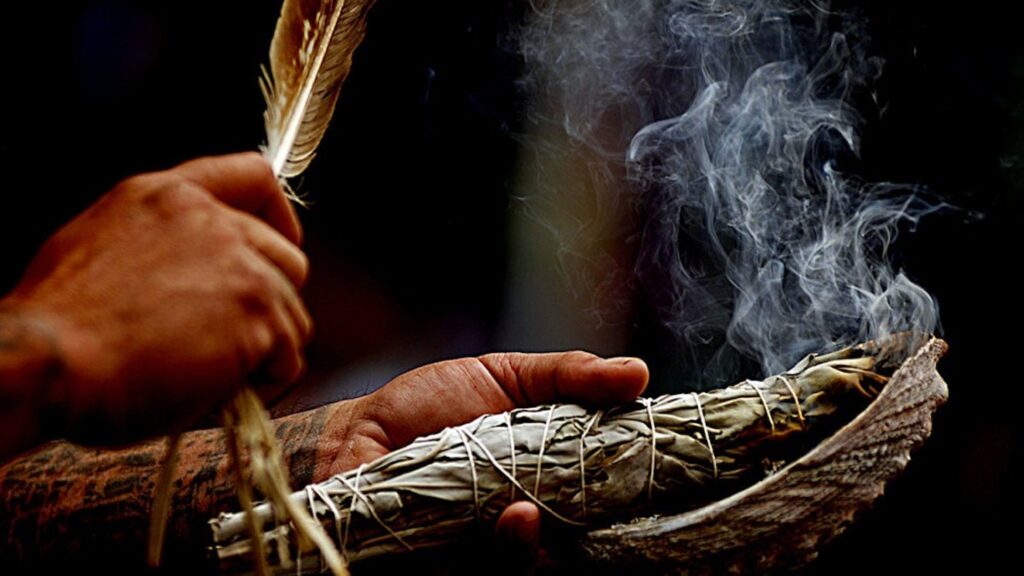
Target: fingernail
623,360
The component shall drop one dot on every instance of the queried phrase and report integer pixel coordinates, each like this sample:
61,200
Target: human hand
165,296
450,393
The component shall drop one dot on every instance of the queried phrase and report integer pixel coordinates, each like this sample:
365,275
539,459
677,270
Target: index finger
246,182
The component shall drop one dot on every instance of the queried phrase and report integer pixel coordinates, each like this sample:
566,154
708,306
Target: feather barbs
310,58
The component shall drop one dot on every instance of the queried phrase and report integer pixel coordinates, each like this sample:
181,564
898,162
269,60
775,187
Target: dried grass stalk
248,425
248,430
162,502
584,468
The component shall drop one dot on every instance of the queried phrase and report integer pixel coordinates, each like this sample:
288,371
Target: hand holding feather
163,298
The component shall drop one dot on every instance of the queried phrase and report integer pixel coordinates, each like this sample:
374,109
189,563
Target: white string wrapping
764,402
707,435
654,448
540,453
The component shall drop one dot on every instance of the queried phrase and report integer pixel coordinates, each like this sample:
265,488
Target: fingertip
526,512
278,378
603,380
520,524
280,211
629,374
291,226
307,327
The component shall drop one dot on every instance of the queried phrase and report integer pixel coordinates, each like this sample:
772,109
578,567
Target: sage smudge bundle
582,467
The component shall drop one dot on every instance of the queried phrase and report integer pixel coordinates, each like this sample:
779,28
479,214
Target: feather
310,58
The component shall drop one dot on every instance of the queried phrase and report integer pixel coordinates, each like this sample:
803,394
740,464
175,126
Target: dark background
413,198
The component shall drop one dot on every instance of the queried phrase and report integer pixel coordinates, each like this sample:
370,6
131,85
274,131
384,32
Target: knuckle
251,287
499,364
255,345
569,364
257,299
577,356
222,235
136,185
174,196
506,368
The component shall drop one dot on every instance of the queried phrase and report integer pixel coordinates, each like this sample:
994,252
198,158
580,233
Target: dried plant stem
162,502
244,487
247,429
252,429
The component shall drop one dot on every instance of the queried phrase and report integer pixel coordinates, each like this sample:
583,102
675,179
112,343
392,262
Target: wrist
312,441
30,368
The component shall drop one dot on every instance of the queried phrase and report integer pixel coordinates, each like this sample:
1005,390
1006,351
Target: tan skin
148,309
153,306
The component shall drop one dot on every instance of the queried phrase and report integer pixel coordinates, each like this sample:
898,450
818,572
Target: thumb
245,182
531,379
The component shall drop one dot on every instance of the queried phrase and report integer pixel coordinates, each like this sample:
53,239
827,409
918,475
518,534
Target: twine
540,453
796,400
707,435
472,468
315,490
357,493
501,470
512,454
764,402
583,471
648,403
351,508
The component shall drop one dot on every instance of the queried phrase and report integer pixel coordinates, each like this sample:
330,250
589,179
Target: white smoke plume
734,123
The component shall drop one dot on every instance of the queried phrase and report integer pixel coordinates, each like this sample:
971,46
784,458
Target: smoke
734,126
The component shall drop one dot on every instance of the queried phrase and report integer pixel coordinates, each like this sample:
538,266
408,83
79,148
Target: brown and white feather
310,58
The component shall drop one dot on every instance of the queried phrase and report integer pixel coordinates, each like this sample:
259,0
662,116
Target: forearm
29,366
66,504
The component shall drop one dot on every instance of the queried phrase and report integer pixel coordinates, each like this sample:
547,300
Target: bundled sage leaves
583,468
